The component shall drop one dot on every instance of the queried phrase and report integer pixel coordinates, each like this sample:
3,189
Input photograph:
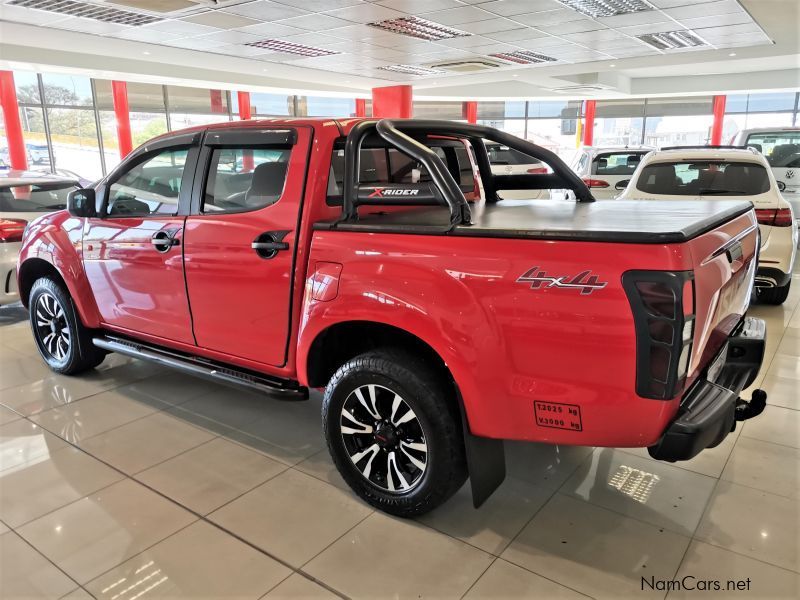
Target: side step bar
225,374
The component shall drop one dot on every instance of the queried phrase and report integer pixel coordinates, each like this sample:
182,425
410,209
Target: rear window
699,178
781,149
616,163
387,165
34,198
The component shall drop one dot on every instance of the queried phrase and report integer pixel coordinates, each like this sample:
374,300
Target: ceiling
470,49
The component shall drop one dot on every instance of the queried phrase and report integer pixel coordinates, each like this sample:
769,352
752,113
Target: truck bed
624,221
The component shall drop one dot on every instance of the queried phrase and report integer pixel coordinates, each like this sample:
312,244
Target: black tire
63,341
775,295
392,374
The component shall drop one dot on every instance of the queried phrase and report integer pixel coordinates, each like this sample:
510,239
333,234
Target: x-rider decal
584,281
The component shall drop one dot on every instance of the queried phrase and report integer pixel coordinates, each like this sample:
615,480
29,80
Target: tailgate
724,262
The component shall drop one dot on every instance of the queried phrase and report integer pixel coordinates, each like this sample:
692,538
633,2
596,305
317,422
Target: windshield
35,197
701,178
781,148
616,163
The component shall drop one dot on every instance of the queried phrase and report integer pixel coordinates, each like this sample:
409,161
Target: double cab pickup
373,260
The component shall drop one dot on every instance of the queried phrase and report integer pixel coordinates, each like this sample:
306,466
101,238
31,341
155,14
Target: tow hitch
747,410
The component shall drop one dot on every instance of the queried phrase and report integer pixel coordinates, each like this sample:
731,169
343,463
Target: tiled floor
136,482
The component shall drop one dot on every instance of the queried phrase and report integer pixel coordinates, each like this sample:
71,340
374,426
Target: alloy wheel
52,328
384,438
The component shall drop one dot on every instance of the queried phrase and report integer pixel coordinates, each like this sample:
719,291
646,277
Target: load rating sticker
559,416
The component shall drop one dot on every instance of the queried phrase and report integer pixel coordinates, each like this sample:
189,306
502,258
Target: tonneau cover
625,221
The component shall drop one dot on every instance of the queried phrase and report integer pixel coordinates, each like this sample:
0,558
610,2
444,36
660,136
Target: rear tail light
537,171
663,314
596,183
775,217
11,230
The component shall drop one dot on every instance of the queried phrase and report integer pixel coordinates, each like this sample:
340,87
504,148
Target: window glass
712,178
500,110
690,130
75,145
560,108
198,100
146,97
554,134
503,155
242,179
27,87
266,104
616,163
320,106
771,102
67,90
151,187
782,148
35,197
618,131
32,120
438,110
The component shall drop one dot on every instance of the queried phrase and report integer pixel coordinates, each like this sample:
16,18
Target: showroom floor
134,481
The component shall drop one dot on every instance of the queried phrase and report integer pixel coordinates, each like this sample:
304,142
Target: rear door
132,251
240,241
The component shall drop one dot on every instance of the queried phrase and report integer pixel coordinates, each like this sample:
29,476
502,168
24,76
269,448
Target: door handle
165,239
269,243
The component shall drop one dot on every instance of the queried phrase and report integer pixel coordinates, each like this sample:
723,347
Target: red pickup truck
373,259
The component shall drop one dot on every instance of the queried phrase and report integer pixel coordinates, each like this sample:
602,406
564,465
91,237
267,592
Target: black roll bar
394,131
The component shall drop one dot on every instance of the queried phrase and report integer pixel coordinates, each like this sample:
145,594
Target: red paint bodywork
505,344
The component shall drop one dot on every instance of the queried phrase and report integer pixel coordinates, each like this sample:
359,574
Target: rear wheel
63,341
394,433
775,295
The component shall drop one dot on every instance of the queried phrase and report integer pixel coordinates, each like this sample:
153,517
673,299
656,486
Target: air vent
290,48
580,89
523,57
88,11
412,70
607,8
672,40
419,28
470,66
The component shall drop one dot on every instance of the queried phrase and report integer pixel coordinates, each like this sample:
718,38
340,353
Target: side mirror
81,203
781,186
621,185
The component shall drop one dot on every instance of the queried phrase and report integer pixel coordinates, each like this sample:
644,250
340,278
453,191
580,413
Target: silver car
24,196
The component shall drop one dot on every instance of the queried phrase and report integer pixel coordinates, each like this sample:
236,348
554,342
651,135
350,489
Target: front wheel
63,341
775,295
394,433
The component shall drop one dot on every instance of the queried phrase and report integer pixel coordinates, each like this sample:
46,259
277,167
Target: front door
240,239
132,251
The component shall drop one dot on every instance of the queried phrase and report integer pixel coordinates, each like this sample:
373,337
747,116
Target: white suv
781,147
729,173
606,170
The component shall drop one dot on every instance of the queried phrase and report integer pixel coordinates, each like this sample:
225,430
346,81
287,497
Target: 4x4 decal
584,281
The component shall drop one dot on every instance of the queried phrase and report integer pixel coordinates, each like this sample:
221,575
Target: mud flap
486,462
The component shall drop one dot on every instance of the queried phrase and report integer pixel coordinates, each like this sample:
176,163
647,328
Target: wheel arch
31,270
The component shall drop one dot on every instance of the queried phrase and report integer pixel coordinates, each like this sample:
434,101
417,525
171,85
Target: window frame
187,141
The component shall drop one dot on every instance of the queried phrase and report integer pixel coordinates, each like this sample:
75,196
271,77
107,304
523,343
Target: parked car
437,327
507,161
781,147
24,195
744,174
35,153
605,170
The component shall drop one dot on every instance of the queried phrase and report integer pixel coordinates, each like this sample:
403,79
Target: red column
393,101
361,107
16,143
588,127
244,105
719,118
469,111
119,91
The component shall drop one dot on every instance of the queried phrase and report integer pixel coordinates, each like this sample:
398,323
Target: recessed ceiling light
419,28
145,52
412,70
291,48
515,75
672,40
523,57
612,65
732,54
607,8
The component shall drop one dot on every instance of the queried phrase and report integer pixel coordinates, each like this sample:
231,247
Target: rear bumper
771,277
707,411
